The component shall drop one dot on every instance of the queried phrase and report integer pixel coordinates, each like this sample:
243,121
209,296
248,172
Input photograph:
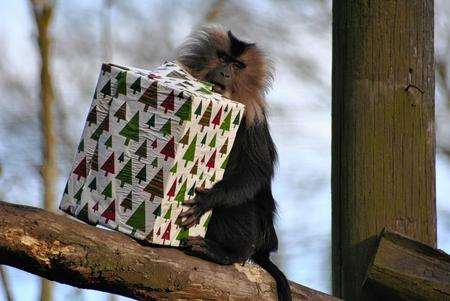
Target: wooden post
383,132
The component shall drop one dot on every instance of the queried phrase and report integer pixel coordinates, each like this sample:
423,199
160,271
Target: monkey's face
236,68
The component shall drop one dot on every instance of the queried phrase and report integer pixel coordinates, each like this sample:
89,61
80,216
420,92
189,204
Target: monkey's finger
188,212
189,222
190,201
199,190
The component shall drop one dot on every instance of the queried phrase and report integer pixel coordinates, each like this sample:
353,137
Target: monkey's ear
237,46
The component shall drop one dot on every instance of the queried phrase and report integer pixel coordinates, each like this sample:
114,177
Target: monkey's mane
198,54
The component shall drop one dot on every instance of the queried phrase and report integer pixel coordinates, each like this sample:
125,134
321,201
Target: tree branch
70,252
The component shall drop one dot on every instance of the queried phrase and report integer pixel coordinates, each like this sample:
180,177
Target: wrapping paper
149,139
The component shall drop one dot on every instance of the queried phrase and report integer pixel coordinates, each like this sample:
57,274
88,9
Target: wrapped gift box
150,138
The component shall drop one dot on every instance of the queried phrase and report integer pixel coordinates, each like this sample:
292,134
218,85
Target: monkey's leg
210,250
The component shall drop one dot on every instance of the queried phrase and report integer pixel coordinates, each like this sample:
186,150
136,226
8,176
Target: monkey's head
237,69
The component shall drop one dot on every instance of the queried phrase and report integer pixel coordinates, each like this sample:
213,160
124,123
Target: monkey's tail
283,288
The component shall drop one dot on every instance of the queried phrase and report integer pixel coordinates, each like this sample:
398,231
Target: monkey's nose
226,75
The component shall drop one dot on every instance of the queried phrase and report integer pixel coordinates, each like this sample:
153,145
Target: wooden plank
406,269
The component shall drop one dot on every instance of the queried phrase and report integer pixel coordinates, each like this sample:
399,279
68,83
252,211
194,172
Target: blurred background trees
296,34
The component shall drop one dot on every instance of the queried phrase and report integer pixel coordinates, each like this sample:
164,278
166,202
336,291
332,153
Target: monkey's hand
198,206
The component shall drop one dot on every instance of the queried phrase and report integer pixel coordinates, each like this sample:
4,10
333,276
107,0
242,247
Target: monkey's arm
250,167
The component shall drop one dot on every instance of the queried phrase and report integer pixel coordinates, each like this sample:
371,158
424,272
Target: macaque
242,222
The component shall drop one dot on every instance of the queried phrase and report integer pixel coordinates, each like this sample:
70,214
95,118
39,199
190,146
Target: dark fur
242,223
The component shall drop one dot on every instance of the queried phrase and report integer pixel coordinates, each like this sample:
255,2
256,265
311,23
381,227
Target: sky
304,149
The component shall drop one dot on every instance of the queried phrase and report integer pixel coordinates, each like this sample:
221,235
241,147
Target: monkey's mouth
218,87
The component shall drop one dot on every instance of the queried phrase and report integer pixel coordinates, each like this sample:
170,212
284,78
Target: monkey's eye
238,65
222,56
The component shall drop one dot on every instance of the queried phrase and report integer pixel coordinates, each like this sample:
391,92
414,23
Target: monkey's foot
208,250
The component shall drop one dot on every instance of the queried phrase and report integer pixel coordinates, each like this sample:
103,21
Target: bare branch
67,251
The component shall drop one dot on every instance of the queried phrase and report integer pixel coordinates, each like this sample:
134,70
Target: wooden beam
383,132
65,250
406,269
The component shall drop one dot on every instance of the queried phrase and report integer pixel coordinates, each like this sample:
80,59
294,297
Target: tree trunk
383,132
43,11
74,253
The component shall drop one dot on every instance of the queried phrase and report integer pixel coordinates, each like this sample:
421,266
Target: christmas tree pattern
166,235
154,143
181,193
150,96
169,149
185,110
80,170
125,175
204,121
83,215
185,139
174,168
166,129
183,234
190,152
136,86
151,122
225,126
224,163
104,126
169,103
141,152
94,160
156,186
216,120
110,212
203,136
154,163
191,191
121,113
106,68
237,119
194,169
172,189
212,143
137,220
142,174
224,148
157,211
106,90
92,117
93,184
122,83
78,195
121,158
127,203
198,110
81,146
168,213
107,192
212,161
108,142
131,129
203,142
108,166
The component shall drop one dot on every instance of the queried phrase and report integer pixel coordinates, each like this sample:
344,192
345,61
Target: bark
383,131
65,250
43,11
405,269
